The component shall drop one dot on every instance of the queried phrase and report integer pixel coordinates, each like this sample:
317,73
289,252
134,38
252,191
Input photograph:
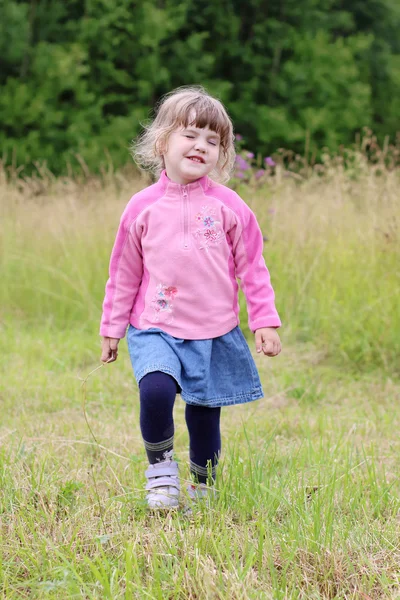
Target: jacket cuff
264,322
113,332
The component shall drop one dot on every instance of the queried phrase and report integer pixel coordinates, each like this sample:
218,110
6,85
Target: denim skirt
214,372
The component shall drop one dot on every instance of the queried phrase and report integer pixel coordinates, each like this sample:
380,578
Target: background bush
77,77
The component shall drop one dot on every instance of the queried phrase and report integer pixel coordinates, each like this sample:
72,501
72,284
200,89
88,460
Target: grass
308,504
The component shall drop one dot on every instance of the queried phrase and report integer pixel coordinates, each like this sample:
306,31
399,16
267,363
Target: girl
181,245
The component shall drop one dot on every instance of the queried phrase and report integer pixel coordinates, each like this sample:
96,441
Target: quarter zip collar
204,183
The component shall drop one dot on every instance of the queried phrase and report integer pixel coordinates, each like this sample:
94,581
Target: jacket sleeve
125,275
251,270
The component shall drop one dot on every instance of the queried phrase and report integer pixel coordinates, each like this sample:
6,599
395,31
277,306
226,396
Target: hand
267,340
109,349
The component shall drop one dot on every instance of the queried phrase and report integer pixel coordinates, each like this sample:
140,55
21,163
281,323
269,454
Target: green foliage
78,78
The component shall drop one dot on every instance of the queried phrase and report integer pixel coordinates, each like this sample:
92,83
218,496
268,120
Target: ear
161,146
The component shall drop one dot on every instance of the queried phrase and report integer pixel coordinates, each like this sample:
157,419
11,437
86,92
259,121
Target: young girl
181,245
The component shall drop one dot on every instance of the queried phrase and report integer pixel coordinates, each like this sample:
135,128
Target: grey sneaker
199,493
163,485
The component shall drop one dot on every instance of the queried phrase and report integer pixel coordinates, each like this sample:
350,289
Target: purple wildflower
259,173
240,175
249,154
238,137
242,164
269,161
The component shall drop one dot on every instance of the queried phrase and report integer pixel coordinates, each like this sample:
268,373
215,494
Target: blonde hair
188,105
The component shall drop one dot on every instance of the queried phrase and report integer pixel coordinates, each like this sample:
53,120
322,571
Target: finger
106,354
268,347
258,339
105,350
277,349
113,344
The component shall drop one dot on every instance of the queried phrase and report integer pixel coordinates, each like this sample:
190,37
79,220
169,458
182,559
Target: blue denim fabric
214,372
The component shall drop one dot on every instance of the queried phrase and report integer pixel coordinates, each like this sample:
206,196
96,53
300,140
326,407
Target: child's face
192,153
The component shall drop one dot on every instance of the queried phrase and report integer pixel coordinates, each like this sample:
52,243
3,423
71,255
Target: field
308,504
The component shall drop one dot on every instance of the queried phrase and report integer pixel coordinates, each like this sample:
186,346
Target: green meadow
308,503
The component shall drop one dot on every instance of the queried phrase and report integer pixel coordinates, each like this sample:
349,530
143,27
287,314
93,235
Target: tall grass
308,486
332,248
334,253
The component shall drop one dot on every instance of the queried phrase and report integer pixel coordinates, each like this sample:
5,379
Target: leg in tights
205,441
157,398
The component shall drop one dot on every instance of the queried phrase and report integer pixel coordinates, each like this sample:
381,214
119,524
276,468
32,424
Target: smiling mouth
196,159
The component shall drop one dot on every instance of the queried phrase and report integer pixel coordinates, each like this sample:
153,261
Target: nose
200,145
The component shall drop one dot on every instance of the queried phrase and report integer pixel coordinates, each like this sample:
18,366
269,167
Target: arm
125,275
250,268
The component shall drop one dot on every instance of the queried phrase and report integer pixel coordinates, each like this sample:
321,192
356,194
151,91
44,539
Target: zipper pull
184,191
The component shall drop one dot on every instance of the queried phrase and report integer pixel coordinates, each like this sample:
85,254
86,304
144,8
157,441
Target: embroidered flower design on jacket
162,301
208,232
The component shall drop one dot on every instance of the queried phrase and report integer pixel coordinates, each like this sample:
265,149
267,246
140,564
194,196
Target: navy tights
157,397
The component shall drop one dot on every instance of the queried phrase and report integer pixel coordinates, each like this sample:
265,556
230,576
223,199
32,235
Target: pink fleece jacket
177,256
